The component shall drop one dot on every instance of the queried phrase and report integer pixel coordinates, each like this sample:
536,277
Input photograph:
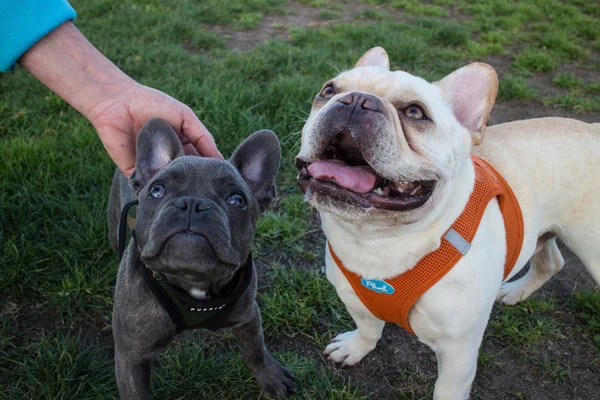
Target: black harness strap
126,224
207,313
162,298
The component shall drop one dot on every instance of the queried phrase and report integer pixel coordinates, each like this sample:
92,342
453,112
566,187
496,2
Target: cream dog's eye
414,111
328,91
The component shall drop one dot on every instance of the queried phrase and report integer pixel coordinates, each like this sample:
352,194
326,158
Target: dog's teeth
379,191
406,187
399,186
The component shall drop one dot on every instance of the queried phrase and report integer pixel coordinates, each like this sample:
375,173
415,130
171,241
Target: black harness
186,311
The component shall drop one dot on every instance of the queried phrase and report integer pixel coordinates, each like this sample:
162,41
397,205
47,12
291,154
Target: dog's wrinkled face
197,216
382,143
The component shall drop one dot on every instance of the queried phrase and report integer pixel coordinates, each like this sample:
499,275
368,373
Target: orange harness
392,299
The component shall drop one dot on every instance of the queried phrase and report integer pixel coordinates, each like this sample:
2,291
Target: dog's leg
584,243
138,338
133,357
133,375
141,328
274,379
350,347
545,263
591,260
457,364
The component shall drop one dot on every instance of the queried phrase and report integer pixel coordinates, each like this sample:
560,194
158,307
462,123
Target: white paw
348,348
512,292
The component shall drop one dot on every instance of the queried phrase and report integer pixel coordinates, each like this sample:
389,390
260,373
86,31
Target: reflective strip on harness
405,289
457,241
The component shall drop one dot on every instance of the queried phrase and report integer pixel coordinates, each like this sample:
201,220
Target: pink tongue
359,179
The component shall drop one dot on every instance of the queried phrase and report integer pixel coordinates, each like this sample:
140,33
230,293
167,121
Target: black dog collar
185,311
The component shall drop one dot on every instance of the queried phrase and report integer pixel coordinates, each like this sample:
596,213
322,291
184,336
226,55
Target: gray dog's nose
196,204
363,100
182,204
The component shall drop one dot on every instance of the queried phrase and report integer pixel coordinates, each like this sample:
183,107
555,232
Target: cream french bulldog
386,160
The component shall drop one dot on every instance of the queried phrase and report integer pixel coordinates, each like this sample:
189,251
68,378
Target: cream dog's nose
363,100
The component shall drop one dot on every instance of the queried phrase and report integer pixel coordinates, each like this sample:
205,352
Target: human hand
119,118
114,103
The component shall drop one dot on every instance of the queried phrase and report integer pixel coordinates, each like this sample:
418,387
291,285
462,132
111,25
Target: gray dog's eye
157,191
237,201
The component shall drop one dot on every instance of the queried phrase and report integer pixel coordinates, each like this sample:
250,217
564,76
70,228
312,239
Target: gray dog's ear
257,159
156,146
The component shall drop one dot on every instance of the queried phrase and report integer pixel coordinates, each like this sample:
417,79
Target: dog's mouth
175,237
343,173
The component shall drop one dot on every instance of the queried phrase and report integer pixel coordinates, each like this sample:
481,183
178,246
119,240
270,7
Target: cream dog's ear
376,57
471,93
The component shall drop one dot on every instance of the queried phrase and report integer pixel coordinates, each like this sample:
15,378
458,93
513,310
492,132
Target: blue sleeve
24,22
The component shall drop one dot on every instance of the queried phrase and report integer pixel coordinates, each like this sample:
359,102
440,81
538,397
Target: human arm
57,54
114,103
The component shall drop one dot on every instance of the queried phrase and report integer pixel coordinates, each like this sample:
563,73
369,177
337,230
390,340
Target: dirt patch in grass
543,87
524,109
298,15
271,27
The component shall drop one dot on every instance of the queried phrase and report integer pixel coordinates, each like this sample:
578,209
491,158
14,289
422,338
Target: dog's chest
392,299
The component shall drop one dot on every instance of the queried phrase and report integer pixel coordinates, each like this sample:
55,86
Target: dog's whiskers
332,65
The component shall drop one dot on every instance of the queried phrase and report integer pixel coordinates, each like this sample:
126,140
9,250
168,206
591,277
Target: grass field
245,65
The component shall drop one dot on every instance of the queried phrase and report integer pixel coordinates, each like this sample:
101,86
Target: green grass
416,7
414,386
285,230
586,306
567,81
57,269
593,88
553,372
580,97
486,360
524,325
369,13
249,20
302,302
562,45
225,376
576,101
57,367
514,88
534,61
327,15
316,3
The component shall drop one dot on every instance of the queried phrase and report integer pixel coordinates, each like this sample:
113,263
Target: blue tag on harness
376,285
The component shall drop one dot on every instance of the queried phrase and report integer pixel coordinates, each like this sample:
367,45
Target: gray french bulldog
190,257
